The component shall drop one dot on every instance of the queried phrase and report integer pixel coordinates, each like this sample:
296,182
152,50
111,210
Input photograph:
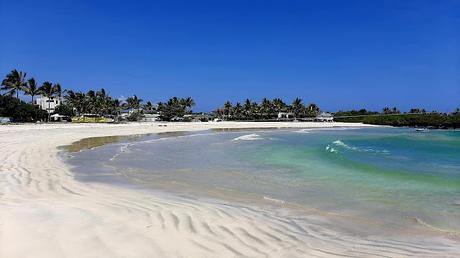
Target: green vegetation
19,111
92,106
415,118
14,83
267,110
436,120
96,103
175,107
98,106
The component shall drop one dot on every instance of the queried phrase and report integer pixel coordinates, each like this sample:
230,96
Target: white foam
339,143
303,131
248,137
123,149
273,200
331,149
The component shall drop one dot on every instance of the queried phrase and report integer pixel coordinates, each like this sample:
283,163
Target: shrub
19,111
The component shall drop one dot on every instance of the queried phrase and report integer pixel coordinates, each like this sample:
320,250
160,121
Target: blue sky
338,54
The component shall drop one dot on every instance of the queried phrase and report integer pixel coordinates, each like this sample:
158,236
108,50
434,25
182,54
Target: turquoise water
395,177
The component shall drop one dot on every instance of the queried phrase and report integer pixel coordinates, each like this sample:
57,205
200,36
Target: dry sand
45,212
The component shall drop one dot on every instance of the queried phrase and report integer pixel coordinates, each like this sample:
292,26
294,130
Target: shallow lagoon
398,178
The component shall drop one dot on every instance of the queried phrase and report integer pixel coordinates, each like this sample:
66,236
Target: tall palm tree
14,82
102,102
228,108
90,102
247,107
237,110
266,108
297,107
47,90
31,89
255,111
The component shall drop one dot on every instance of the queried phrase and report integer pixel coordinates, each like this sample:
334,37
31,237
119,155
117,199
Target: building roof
324,114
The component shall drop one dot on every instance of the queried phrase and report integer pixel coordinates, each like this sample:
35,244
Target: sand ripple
45,212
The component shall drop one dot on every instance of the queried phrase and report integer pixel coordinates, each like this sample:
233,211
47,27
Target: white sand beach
46,212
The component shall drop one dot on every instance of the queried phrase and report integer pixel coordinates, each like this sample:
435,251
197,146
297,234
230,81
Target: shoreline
45,212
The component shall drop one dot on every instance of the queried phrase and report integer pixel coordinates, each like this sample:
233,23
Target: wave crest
248,137
340,144
303,131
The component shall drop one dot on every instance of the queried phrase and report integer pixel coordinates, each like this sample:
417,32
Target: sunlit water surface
396,177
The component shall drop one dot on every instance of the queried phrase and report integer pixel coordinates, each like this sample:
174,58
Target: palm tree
148,106
58,90
102,102
160,106
47,90
297,107
247,107
312,109
279,105
237,110
31,89
116,107
134,102
14,82
78,101
90,102
228,108
266,108
189,103
255,110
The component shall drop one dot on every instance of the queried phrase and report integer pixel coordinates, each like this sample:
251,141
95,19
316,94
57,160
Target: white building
48,104
324,117
285,115
151,117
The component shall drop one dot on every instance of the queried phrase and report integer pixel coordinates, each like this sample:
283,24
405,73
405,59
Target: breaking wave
340,144
330,149
248,137
303,131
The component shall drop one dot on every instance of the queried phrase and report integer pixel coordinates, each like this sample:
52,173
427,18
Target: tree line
100,103
78,103
415,117
267,109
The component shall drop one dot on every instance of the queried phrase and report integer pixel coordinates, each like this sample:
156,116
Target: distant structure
5,120
151,117
285,115
324,117
48,104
